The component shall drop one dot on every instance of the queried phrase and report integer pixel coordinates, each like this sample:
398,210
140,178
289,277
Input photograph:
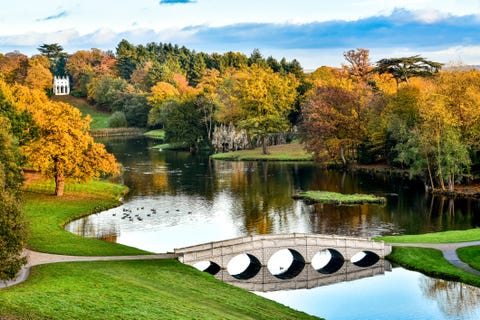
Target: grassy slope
431,261
47,215
149,289
283,152
100,119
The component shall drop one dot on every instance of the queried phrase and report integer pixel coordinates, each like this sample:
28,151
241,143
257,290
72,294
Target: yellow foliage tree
38,73
63,150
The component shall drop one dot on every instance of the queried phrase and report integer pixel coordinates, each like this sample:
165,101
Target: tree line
406,112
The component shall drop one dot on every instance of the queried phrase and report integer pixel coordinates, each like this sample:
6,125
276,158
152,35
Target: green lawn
148,289
99,118
144,289
47,214
339,198
437,237
431,261
283,152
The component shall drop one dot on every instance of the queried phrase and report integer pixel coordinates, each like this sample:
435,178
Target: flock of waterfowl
140,213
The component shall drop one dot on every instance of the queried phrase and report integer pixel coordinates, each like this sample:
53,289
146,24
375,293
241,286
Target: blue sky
315,32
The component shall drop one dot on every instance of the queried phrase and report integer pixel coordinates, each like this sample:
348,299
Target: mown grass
148,289
437,237
47,214
143,289
470,255
156,134
339,198
283,152
99,118
432,263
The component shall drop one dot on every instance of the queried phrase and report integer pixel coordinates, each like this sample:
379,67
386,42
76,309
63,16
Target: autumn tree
38,74
63,150
404,68
12,225
264,98
13,66
330,127
359,65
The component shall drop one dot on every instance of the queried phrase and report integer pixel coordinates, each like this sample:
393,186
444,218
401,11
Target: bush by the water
117,120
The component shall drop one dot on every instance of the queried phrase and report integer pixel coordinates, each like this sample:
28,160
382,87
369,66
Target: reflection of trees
454,299
86,227
264,190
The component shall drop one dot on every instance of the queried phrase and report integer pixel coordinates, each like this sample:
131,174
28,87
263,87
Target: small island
339,198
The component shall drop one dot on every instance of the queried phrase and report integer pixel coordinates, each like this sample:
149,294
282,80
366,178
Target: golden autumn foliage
63,150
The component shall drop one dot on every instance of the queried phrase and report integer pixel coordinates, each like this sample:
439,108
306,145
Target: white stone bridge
311,257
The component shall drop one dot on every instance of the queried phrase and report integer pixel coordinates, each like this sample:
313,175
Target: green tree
58,58
404,68
12,224
183,124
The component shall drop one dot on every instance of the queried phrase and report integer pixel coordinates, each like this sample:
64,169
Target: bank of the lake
146,289
431,261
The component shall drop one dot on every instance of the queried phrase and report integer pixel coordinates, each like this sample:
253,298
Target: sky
315,32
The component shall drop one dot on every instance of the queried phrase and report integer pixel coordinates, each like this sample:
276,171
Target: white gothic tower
61,86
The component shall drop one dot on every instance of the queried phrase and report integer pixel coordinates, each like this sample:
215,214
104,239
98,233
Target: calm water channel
177,200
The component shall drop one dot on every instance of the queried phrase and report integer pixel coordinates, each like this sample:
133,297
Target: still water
178,200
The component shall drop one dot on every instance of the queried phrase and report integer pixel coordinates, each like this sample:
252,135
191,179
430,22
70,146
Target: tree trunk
59,185
451,183
342,155
264,145
59,178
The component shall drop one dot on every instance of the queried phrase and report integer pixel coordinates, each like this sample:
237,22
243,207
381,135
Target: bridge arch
286,263
365,258
244,266
207,266
328,261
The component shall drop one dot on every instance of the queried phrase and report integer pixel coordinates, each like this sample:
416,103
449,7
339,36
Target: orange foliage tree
63,150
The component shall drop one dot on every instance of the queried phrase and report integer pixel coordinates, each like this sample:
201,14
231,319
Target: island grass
436,237
171,146
283,152
47,214
148,289
339,198
156,134
99,118
431,263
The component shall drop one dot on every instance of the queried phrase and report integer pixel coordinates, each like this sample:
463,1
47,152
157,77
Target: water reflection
198,200
455,300
399,294
230,199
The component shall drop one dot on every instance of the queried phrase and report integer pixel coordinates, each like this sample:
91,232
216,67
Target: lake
177,199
